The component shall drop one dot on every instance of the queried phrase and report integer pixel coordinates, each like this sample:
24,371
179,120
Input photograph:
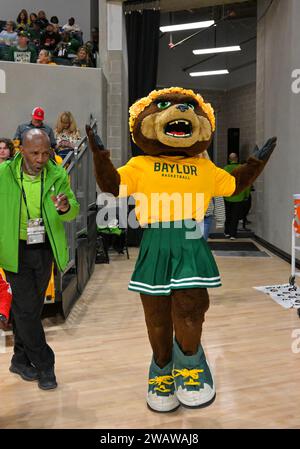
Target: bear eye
190,105
163,104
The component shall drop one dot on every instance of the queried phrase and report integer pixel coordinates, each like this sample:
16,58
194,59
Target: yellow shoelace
185,373
161,382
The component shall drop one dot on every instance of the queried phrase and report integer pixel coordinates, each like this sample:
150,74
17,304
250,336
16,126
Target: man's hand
95,141
265,152
61,202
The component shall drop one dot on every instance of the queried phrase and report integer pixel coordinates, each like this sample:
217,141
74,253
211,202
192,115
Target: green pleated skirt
170,259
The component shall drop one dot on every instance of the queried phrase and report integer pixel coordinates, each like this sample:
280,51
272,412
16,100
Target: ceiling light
210,73
187,26
207,51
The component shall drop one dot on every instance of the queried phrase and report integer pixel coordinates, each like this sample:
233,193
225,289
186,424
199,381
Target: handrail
78,164
76,153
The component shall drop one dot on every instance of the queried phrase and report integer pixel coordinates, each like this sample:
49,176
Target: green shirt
17,54
241,196
32,187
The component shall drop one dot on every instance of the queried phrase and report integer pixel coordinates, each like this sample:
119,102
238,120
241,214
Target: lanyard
24,194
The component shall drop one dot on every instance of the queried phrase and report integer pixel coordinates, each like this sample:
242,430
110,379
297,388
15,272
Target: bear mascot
175,267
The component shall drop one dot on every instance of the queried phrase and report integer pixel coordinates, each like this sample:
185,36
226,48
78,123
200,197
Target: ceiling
179,5
175,64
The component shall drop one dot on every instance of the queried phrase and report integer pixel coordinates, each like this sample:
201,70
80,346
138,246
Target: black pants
232,217
28,288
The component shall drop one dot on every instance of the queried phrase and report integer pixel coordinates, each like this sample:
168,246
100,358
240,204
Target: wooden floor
103,354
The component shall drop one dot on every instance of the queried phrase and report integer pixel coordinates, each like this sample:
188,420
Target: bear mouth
179,129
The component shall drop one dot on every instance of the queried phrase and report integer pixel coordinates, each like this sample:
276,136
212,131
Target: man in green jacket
233,204
36,199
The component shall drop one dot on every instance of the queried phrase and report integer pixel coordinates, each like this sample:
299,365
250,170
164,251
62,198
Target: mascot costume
173,126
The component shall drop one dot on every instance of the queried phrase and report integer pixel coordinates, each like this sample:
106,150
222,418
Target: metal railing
79,166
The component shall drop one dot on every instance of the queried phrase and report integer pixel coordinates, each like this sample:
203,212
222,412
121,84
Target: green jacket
56,182
241,196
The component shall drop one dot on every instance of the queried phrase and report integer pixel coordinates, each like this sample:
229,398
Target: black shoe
27,372
47,379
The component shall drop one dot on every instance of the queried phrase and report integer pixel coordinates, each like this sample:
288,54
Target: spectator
45,58
32,19
6,149
9,36
245,209
95,40
233,204
215,210
22,20
67,47
83,58
42,19
35,33
66,132
71,26
55,22
37,121
49,38
46,200
23,51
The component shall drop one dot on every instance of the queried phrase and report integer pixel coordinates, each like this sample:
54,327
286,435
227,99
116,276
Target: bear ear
148,127
205,130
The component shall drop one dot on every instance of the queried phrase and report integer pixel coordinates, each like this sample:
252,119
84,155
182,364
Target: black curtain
142,29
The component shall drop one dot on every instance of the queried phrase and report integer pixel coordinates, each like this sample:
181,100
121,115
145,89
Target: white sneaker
194,383
161,395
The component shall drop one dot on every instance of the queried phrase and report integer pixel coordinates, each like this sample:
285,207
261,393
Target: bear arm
107,177
246,174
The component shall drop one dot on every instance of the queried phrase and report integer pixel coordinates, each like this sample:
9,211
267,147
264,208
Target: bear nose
182,107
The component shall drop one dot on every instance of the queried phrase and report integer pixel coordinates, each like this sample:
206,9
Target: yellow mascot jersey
171,188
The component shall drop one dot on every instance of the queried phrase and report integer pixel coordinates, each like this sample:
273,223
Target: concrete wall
233,109
80,91
113,56
278,112
79,9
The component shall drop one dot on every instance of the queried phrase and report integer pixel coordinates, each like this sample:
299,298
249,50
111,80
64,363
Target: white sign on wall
2,82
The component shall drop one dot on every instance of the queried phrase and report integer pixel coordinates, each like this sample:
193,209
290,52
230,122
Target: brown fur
185,310
155,147
246,174
107,177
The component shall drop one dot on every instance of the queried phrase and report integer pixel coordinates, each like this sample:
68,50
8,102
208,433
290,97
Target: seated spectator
6,149
32,18
95,40
37,121
22,20
67,47
42,19
89,49
55,22
49,38
66,132
23,51
71,26
9,36
83,58
45,58
35,33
